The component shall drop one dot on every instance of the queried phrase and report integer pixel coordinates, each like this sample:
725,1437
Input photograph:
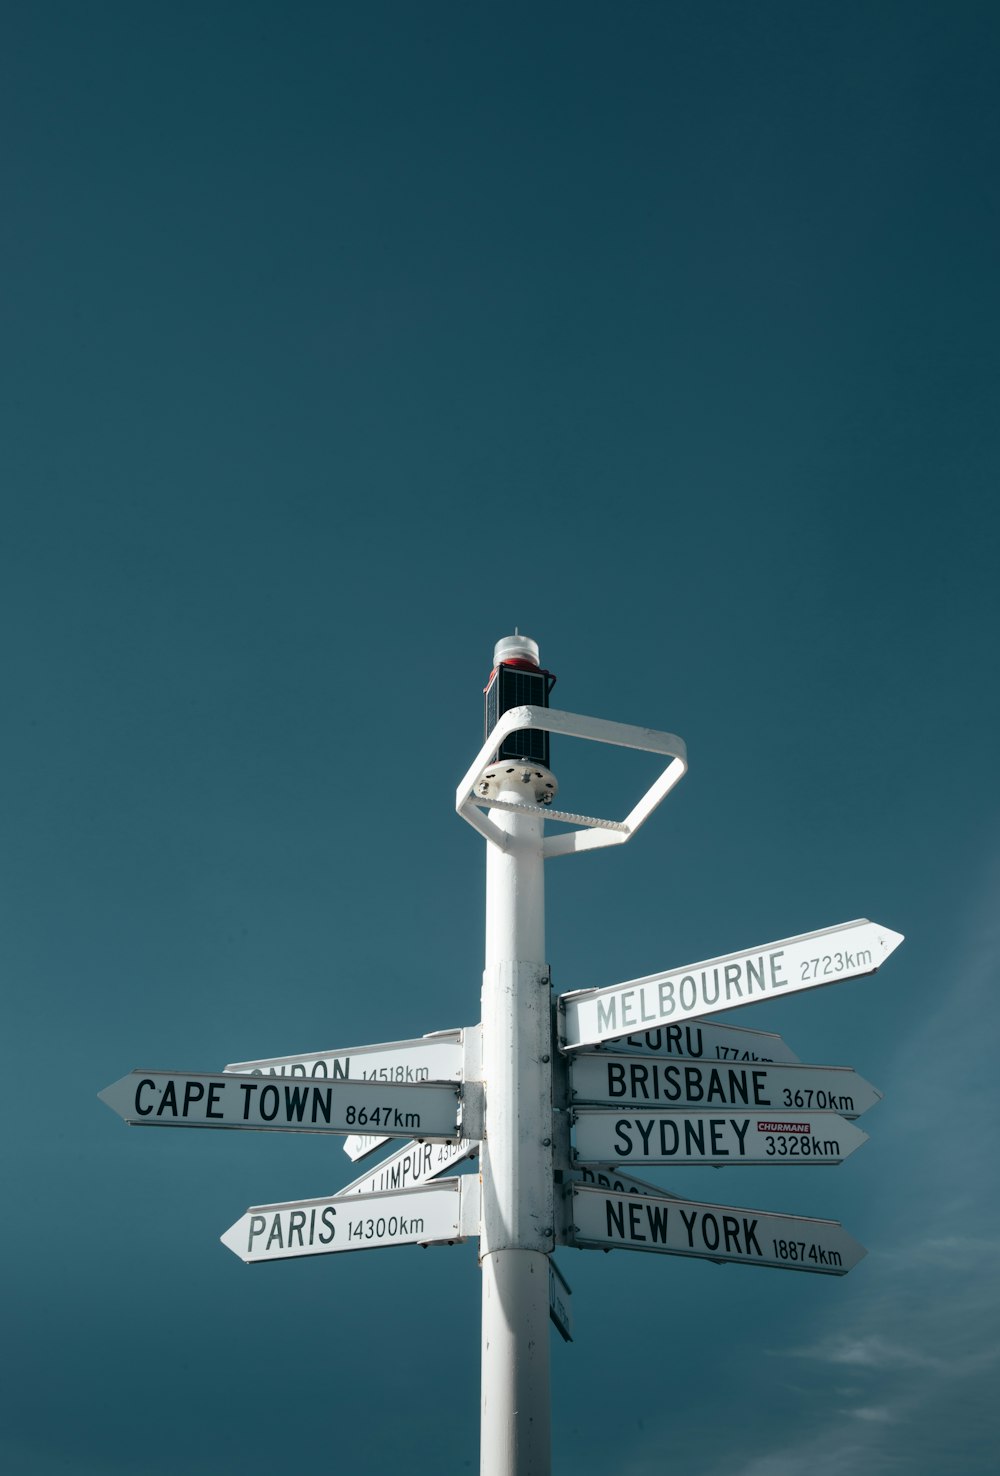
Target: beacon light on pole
499,767
521,760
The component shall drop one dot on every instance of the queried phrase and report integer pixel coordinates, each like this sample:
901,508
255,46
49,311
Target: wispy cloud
921,1355
870,1351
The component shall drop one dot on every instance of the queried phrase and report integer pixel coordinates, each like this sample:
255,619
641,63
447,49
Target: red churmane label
783,1127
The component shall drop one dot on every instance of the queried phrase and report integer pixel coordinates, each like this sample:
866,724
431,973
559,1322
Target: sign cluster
652,1081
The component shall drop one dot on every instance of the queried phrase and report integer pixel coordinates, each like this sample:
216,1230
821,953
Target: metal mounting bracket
591,832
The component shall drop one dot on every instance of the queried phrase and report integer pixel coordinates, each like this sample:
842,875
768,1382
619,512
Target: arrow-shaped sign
435,1057
416,1163
187,1099
629,1081
314,1227
360,1145
714,1232
705,1041
712,1138
803,962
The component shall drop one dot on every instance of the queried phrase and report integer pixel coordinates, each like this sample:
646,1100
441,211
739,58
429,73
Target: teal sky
336,341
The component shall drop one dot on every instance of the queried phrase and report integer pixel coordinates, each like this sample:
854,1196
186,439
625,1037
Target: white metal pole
516,1235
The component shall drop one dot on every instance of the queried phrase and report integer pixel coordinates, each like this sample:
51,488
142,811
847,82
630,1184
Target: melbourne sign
803,962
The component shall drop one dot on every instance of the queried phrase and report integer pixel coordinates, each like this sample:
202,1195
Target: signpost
679,1227
628,1081
804,962
713,1138
649,1081
316,1227
187,1099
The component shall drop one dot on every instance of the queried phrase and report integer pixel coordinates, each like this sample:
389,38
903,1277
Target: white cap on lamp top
516,648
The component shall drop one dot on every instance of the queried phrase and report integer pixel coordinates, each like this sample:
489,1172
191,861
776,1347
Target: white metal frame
592,832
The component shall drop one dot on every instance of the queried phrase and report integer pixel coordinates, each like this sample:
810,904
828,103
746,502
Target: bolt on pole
517,1165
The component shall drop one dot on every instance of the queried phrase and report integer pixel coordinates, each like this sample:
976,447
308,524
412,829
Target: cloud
870,1351
836,1453
920,1349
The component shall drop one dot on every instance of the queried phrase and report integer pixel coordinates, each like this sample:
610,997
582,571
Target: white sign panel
186,1099
428,1058
715,1232
710,1138
632,1081
316,1227
793,964
359,1145
606,1177
413,1164
704,1041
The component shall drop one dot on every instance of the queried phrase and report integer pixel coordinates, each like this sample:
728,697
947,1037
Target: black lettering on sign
670,1138
731,1231
694,1136
213,1099
295,1102
647,1220
267,1105
620,1125
143,1111
246,1087
656,1215
193,1092
169,1099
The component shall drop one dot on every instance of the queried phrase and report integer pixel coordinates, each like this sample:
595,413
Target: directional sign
559,1303
629,1081
359,1145
705,1041
607,1177
715,1232
413,1164
183,1099
803,962
713,1138
316,1227
428,1058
